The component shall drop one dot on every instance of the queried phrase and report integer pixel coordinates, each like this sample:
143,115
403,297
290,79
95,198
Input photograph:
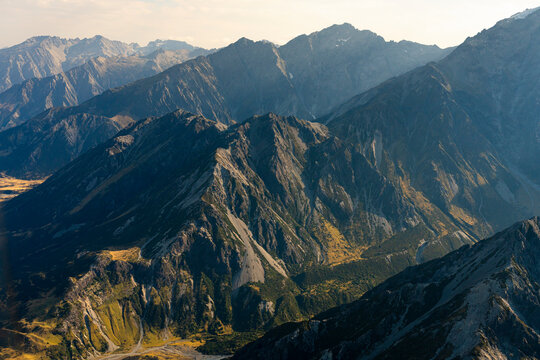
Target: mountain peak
243,41
344,26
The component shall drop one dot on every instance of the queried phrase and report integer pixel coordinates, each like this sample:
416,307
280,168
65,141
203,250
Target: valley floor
11,187
176,349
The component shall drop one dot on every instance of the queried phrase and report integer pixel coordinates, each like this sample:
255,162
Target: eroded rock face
478,302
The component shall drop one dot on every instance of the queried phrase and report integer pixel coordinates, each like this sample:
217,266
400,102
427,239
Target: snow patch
121,229
91,184
340,42
420,251
524,14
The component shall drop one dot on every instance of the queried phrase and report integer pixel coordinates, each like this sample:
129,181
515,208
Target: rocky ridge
180,225
479,302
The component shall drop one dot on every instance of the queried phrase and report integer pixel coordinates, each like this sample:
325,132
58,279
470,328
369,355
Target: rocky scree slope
180,225
479,302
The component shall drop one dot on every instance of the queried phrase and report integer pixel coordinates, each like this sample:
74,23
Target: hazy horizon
216,23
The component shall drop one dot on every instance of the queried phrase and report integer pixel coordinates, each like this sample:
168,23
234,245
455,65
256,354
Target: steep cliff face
478,302
180,225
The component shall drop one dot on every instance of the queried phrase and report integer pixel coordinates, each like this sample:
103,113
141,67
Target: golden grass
131,254
45,339
11,354
339,251
38,340
190,343
461,215
423,204
120,327
11,187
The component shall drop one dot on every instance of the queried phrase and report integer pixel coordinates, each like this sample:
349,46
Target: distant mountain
480,302
26,100
43,56
180,225
305,77
171,45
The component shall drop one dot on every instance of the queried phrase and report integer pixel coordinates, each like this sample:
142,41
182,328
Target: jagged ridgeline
43,56
180,225
306,77
479,302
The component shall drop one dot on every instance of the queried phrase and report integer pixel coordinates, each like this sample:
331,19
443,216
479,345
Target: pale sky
216,23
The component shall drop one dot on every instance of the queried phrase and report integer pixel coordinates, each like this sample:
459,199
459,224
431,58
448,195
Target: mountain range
464,129
43,56
32,97
306,77
216,223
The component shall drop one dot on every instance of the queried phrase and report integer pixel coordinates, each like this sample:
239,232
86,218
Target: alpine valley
246,191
